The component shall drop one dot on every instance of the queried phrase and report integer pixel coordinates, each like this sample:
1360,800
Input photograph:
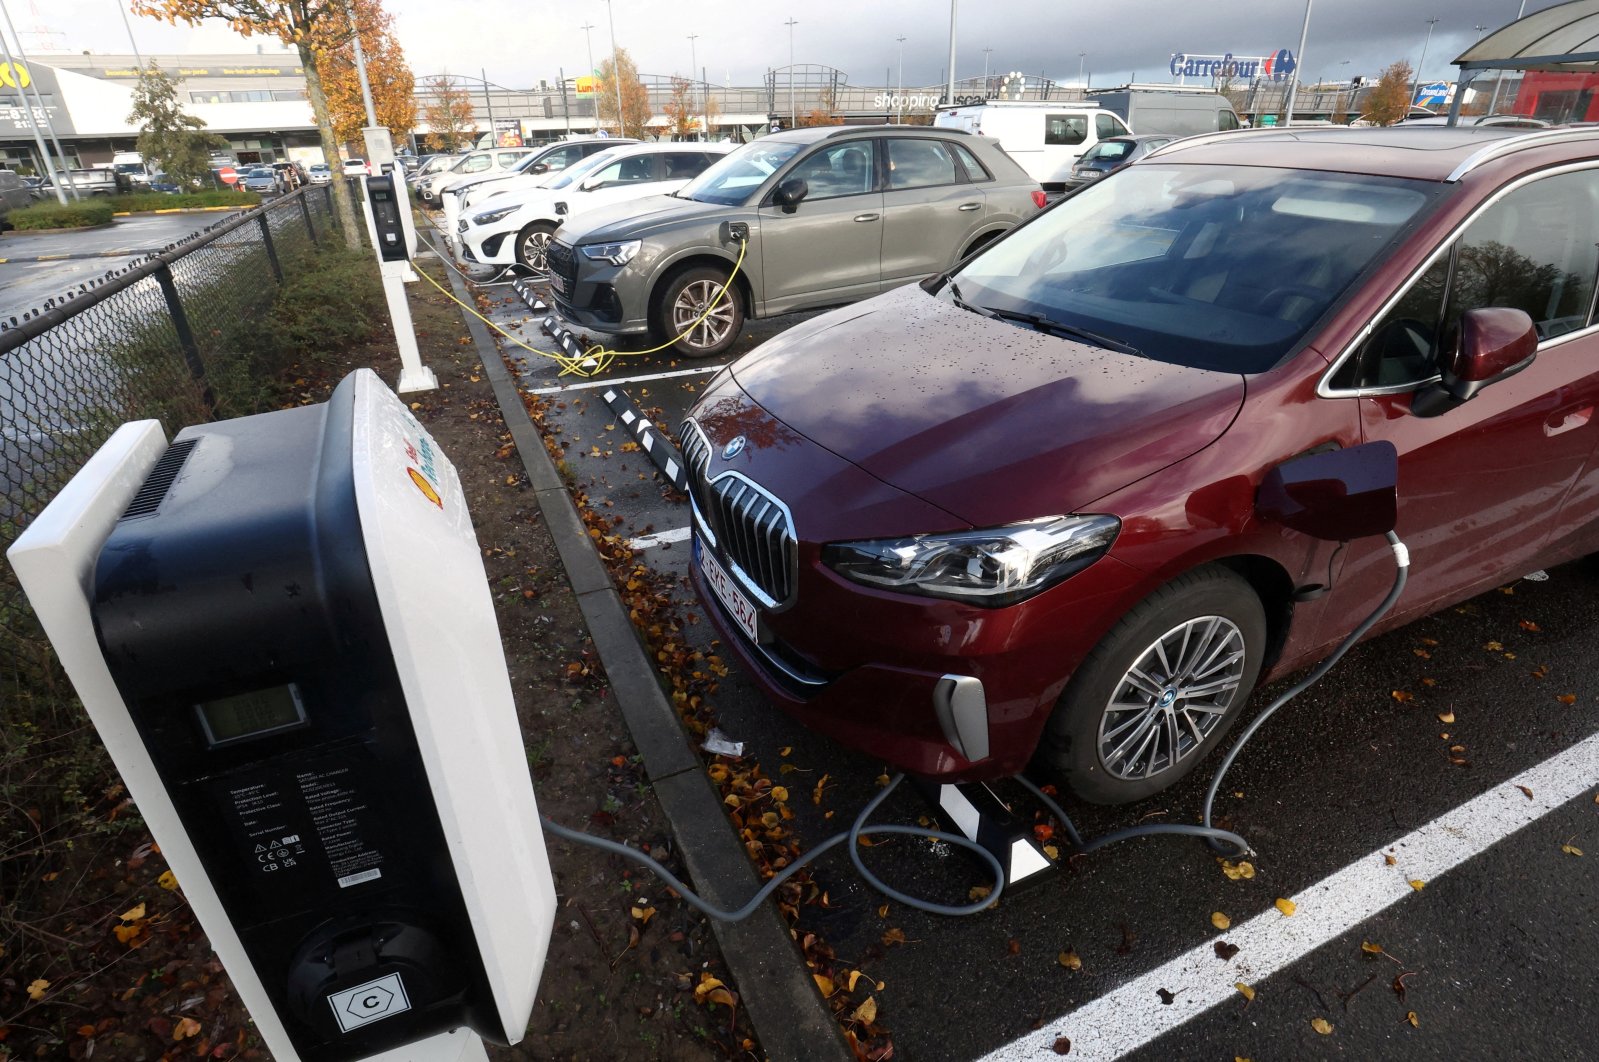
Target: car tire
684,298
1114,755
531,243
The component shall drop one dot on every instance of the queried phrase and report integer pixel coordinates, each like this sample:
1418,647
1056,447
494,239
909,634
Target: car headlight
618,254
991,567
489,217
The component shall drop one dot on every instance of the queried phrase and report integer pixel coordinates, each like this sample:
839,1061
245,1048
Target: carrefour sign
1277,66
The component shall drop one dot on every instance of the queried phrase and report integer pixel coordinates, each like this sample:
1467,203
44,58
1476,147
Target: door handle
970,206
866,217
1567,420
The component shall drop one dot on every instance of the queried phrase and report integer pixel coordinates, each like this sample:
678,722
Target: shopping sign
1433,94
585,85
1278,66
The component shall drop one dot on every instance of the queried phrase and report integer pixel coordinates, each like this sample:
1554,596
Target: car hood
990,421
636,219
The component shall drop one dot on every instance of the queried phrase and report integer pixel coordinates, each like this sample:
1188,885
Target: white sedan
515,228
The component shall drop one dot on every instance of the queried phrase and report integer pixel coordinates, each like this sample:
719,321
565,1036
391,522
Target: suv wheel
1160,691
531,243
682,313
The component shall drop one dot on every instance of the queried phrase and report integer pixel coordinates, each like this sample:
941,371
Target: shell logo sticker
15,76
425,487
426,477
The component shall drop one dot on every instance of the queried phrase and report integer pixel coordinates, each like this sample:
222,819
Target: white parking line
615,382
659,538
1132,1015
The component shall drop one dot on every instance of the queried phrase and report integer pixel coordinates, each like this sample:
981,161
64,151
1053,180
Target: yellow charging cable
597,358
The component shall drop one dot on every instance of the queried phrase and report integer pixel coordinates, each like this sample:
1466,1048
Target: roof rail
886,128
1530,139
1201,139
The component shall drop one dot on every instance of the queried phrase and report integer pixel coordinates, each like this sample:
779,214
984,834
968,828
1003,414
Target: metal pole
360,68
49,126
38,137
616,70
899,91
1493,104
1299,64
137,59
488,101
950,97
793,114
985,70
693,65
594,97
1415,82
566,112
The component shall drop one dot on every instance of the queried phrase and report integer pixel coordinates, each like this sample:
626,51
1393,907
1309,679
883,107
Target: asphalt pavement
25,282
1385,825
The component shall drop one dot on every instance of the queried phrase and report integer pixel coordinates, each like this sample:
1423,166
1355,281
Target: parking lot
1424,807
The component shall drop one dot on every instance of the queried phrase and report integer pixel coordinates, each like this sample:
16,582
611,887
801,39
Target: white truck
1175,110
1046,139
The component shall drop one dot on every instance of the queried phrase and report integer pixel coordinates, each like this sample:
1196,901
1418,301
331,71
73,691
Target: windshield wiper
1040,323
955,297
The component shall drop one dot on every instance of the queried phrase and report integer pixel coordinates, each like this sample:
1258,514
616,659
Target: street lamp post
1415,82
950,96
899,90
1081,58
616,69
793,114
1499,83
694,63
38,99
1299,64
985,70
594,98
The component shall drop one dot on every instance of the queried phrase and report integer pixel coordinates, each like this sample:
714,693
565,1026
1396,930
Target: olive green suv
800,220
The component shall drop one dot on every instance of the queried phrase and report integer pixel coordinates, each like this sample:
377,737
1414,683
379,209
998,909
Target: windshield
583,167
129,167
1215,267
1108,150
739,173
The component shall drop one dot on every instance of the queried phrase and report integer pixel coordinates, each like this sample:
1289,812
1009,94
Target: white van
1045,139
131,170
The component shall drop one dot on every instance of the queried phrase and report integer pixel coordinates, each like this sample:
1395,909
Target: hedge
55,216
137,201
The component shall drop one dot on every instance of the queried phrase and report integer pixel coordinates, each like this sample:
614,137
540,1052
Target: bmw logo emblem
1168,698
733,448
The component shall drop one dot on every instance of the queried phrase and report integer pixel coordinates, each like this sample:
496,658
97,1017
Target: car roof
1430,153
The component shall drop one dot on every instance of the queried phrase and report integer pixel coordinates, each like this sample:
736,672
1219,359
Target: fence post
327,203
266,238
180,324
305,211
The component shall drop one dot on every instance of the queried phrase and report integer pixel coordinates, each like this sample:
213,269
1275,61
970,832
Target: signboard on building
1278,66
129,72
1433,94
507,132
585,85
15,104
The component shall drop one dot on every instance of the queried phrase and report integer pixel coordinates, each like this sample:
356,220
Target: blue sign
1434,94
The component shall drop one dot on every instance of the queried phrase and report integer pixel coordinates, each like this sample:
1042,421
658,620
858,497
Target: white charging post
389,225
281,628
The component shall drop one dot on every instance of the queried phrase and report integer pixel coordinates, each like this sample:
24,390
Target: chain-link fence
156,339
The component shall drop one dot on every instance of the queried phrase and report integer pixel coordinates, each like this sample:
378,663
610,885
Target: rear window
1108,150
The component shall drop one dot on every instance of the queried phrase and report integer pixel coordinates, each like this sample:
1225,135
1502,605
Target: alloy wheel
1172,698
534,249
691,303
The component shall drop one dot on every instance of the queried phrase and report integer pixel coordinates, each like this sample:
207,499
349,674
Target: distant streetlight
1415,82
793,114
950,98
985,70
1299,64
694,66
1081,57
589,37
616,69
899,91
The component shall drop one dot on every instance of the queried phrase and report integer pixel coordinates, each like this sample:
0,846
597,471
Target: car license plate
738,606
557,283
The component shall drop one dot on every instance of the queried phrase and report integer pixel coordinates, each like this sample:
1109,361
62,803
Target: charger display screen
253,714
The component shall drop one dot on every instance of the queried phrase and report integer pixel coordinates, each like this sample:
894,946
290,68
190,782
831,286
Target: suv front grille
749,523
562,261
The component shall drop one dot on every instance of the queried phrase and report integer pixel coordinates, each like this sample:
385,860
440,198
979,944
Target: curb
57,232
791,1020
183,210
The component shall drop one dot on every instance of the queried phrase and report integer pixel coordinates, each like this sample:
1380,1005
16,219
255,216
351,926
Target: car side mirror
1335,495
539,167
790,193
1495,343
591,184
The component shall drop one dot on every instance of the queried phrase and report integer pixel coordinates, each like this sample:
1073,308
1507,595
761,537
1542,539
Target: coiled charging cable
1223,842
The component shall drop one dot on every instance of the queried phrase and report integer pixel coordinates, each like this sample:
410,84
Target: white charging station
389,227
281,628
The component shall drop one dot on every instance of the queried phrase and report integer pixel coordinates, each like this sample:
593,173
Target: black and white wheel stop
651,438
972,809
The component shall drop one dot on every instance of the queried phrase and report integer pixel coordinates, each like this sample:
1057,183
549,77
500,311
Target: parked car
1507,121
132,172
319,173
515,228
356,168
1045,139
537,168
473,162
166,184
290,175
1012,511
831,215
261,179
88,181
1110,155
14,194
432,164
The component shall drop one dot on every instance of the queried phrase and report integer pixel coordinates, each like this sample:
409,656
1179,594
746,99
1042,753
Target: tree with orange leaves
306,24
393,86
451,120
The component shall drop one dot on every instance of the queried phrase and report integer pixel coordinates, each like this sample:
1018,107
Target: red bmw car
1009,513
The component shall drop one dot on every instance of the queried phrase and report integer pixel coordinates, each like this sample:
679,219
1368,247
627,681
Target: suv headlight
489,217
618,254
991,567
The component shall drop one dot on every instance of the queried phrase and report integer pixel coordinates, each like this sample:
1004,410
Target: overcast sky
518,43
